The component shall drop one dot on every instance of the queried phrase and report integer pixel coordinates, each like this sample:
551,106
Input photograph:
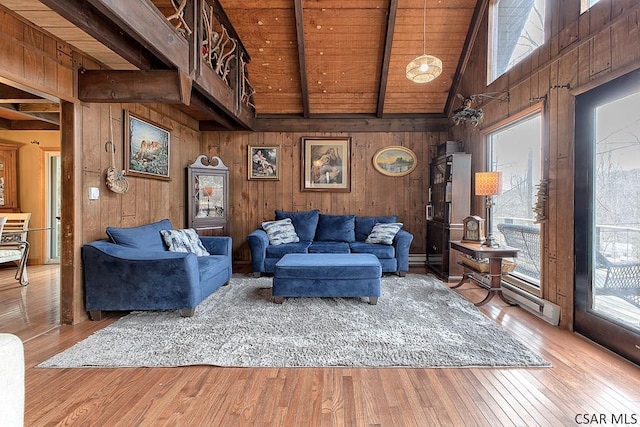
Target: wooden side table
495,256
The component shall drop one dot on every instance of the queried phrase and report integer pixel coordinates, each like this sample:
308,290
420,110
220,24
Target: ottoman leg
278,300
373,300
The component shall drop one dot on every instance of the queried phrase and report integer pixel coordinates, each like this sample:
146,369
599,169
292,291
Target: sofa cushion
305,223
280,232
384,233
381,251
277,251
329,248
335,228
146,237
186,240
364,225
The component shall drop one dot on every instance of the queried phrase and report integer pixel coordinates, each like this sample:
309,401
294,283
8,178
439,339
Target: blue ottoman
327,275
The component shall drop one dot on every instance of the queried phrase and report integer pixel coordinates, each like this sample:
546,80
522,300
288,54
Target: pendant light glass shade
424,68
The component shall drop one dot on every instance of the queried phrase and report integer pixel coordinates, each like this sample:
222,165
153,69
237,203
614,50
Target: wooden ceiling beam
38,107
144,86
33,125
304,84
14,112
386,56
5,124
352,123
142,21
94,23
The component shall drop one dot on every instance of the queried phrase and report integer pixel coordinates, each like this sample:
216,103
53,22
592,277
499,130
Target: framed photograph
146,148
264,162
326,164
395,161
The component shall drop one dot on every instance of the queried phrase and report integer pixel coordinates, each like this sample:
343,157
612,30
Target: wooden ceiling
346,67
312,58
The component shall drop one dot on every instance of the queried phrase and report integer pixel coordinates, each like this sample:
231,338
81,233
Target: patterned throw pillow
280,232
184,241
384,233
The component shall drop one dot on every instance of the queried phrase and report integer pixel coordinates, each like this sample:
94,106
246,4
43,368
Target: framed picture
264,162
395,161
326,164
146,148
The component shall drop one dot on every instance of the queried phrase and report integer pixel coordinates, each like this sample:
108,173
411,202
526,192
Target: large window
515,149
516,28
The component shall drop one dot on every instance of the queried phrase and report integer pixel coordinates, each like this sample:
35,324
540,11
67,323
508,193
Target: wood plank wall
371,192
33,58
583,51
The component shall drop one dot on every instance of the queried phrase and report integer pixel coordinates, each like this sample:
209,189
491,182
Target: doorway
53,186
607,215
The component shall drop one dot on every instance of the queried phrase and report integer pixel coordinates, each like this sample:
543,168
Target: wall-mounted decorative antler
467,112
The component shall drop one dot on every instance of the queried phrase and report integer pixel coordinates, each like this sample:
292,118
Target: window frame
541,109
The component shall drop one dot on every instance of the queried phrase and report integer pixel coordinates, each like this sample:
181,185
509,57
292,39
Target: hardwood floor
585,381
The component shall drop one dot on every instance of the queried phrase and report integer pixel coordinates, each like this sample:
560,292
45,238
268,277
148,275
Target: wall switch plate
94,193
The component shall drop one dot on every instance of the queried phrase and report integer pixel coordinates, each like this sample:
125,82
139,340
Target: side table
495,256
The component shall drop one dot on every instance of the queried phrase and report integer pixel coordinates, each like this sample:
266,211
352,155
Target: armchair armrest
218,245
402,243
258,242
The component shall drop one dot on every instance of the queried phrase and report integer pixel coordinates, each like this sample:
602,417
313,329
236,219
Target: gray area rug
417,322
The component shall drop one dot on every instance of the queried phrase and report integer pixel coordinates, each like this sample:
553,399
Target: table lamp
489,184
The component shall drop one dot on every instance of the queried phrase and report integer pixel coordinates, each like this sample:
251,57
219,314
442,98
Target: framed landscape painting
264,162
326,164
146,148
395,161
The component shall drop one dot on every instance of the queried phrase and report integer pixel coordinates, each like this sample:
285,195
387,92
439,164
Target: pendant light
424,68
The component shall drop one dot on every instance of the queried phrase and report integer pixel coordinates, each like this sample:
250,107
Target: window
586,4
516,150
516,28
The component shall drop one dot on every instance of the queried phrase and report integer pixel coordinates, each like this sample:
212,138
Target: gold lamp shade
424,69
488,183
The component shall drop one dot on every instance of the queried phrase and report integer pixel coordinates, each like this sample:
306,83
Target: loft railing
216,51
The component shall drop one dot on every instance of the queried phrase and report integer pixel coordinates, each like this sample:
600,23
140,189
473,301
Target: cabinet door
435,239
208,197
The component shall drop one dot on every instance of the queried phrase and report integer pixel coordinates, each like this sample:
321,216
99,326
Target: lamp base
490,242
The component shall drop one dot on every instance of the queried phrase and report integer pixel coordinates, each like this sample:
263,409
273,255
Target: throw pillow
336,228
280,232
305,223
384,233
184,241
364,225
142,237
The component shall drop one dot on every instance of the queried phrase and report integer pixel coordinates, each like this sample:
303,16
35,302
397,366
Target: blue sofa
134,270
321,233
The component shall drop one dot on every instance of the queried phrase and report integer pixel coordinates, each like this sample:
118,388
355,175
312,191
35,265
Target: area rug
418,322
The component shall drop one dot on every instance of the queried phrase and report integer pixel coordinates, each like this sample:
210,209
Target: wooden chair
14,246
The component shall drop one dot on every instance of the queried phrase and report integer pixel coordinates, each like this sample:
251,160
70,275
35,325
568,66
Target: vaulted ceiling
322,58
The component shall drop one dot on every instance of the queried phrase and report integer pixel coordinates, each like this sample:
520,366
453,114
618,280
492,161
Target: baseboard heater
417,259
546,310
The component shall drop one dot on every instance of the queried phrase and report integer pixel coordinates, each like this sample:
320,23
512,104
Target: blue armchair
135,271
